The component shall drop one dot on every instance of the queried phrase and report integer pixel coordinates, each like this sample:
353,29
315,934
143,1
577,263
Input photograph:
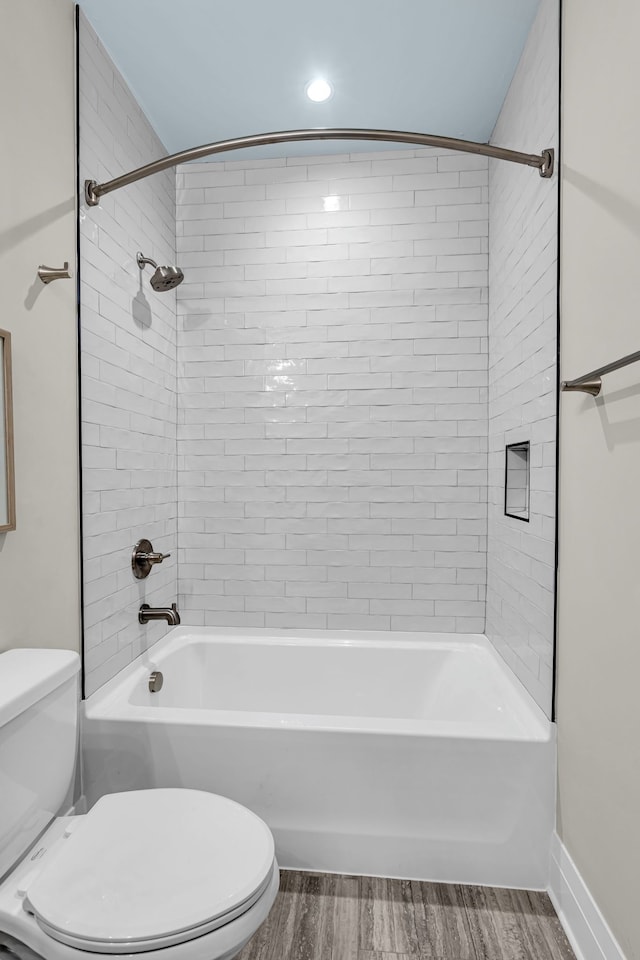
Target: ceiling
206,70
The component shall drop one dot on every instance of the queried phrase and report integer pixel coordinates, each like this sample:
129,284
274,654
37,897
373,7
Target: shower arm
544,161
145,262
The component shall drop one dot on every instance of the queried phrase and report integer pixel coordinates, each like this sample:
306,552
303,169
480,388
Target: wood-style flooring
319,916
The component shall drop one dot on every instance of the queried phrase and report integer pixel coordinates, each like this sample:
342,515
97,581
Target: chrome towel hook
47,274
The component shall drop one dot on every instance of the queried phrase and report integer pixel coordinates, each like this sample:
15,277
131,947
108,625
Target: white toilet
170,874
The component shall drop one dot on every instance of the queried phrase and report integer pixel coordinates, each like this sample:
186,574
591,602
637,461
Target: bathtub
400,755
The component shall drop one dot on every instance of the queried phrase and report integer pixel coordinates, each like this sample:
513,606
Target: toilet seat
152,868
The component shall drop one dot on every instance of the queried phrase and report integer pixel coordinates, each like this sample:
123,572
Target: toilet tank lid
28,675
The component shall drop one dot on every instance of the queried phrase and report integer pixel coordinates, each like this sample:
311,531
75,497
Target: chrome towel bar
591,382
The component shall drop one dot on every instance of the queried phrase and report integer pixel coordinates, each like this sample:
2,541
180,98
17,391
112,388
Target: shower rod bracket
544,162
91,196
546,167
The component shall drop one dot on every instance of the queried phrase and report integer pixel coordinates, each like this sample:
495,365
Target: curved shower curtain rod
544,161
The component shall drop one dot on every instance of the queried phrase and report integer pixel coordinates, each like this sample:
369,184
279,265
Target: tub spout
170,614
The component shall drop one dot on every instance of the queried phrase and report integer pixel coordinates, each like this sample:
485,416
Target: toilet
175,874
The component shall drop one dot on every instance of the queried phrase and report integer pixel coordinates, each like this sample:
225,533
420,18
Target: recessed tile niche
516,486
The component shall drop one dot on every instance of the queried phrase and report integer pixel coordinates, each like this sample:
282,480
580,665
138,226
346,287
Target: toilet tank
38,743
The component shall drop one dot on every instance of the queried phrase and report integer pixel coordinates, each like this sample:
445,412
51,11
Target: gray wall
39,560
599,582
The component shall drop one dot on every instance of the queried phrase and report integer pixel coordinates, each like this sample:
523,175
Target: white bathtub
400,755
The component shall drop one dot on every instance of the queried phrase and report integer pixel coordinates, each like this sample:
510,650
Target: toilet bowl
174,873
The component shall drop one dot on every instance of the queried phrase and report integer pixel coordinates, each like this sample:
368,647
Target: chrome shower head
164,278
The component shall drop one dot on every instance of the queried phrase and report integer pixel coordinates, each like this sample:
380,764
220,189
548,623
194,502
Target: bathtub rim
111,701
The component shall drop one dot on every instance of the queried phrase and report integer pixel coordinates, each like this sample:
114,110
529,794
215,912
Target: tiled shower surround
332,354
128,343
523,227
315,425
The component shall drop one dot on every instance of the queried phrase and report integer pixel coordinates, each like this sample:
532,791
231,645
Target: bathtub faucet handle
154,557
144,557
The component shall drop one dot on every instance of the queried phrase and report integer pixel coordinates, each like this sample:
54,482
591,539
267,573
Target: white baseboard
579,914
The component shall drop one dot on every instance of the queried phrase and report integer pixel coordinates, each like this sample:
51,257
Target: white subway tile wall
332,384
522,364
128,342
306,430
